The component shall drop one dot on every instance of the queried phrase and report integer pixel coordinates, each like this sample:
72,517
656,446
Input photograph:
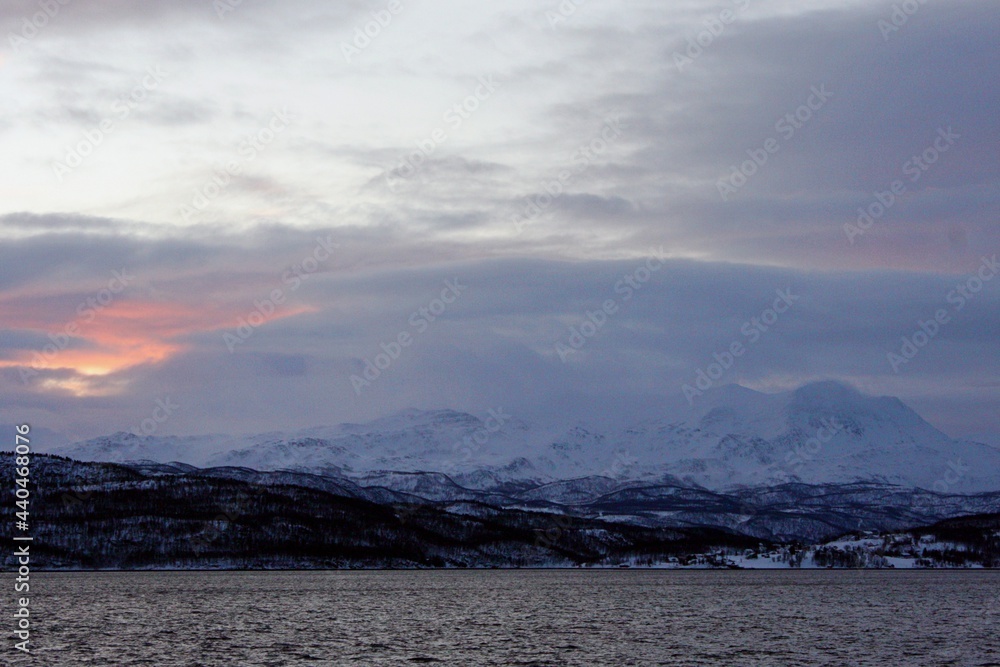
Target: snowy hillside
821,433
991,439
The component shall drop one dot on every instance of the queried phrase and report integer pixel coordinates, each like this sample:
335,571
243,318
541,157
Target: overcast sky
235,208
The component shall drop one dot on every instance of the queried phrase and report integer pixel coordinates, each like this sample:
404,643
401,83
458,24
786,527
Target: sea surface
513,617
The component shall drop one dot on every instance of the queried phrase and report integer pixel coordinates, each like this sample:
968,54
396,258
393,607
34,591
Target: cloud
495,345
338,173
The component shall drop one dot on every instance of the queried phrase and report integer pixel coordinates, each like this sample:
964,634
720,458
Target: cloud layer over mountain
279,208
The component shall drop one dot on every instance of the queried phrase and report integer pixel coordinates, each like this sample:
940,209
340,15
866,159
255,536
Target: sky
225,216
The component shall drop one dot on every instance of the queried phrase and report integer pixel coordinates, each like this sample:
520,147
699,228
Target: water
522,617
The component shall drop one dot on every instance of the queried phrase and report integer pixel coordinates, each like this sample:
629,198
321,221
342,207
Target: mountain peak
821,432
827,392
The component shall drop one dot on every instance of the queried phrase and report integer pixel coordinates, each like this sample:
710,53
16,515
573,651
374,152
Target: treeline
98,515
974,539
855,557
960,542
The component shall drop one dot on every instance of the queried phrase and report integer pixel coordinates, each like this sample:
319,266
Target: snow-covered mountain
821,433
991,439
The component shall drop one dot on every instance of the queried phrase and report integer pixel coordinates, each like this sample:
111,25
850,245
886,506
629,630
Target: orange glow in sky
123,335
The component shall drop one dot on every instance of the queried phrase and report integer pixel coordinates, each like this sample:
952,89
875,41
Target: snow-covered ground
820,433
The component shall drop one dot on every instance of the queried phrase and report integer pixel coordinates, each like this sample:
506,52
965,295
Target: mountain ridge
820,433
